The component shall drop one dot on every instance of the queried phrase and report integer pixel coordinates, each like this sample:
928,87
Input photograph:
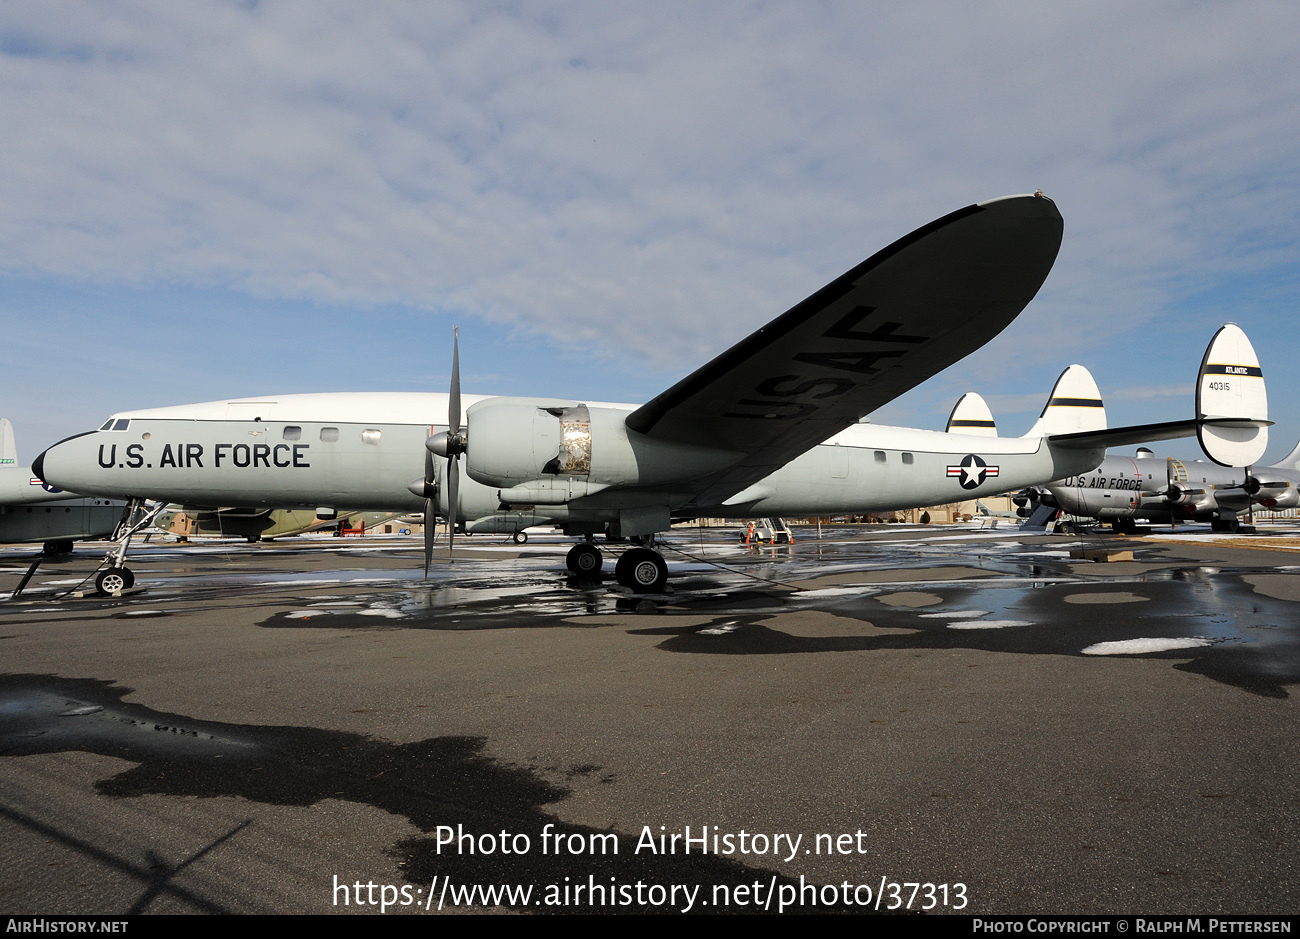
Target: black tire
113,579
520,537
585,560
642,571
56,548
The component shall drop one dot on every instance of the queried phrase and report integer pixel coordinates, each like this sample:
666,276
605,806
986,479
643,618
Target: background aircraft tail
970,415
1291,461
8,450
1074,406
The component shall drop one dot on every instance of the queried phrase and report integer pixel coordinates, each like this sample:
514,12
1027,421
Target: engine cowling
559,450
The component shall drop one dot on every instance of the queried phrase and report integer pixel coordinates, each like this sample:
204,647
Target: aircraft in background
32,511
1126,490
768,428
255,525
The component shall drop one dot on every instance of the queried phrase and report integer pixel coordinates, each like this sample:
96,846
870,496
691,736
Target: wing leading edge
904,314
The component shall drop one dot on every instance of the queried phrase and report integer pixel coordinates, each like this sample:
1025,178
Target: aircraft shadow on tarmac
1233,634
447,781
1247,642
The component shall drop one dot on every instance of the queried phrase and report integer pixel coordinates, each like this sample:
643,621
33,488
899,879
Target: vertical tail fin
8,450
970,415
1073,406
1231,385
1291,461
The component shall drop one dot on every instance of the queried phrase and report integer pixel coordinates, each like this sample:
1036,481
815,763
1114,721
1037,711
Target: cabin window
292,433
907,458
370,436
329,434
880,456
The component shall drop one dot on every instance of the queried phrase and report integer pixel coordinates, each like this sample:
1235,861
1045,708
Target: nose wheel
642,571
113,580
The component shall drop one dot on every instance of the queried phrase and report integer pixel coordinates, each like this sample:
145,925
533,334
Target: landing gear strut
116,576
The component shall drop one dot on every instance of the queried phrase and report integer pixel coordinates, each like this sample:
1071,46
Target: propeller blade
430,520
1251,485
453,490
430,511
453,400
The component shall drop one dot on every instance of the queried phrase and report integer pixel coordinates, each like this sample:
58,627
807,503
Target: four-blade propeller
450,445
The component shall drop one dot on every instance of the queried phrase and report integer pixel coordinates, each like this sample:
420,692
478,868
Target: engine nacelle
1278,496
566,449
1181,494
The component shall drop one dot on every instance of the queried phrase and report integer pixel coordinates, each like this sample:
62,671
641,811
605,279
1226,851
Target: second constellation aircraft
769,427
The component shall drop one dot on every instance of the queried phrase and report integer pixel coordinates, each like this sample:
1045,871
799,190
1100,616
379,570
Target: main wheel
520,537
55,548
642,570
584,559
112,580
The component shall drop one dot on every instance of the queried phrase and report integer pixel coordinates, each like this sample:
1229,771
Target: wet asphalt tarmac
261,723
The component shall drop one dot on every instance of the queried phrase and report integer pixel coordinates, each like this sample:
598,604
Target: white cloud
657,180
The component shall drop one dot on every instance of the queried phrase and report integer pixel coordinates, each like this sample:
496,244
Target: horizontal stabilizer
1231,383
1144,433
970,415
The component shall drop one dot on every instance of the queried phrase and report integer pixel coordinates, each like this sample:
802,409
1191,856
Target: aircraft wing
901,316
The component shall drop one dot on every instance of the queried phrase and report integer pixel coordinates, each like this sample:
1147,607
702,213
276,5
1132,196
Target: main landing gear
585,560
640,569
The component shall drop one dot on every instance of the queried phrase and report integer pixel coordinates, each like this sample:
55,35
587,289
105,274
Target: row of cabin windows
331,434
882,457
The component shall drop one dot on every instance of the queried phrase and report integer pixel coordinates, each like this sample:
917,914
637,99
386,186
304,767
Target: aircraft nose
38,464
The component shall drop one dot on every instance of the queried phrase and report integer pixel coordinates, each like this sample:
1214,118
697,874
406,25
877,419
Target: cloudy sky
211,200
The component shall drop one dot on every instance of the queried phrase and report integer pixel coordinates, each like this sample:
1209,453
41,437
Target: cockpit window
120,423
108,424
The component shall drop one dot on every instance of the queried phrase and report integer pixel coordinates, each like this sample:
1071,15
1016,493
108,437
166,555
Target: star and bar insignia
971,472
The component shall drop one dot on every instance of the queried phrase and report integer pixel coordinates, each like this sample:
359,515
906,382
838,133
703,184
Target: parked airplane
31,510
1126,490
768,428
257,524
